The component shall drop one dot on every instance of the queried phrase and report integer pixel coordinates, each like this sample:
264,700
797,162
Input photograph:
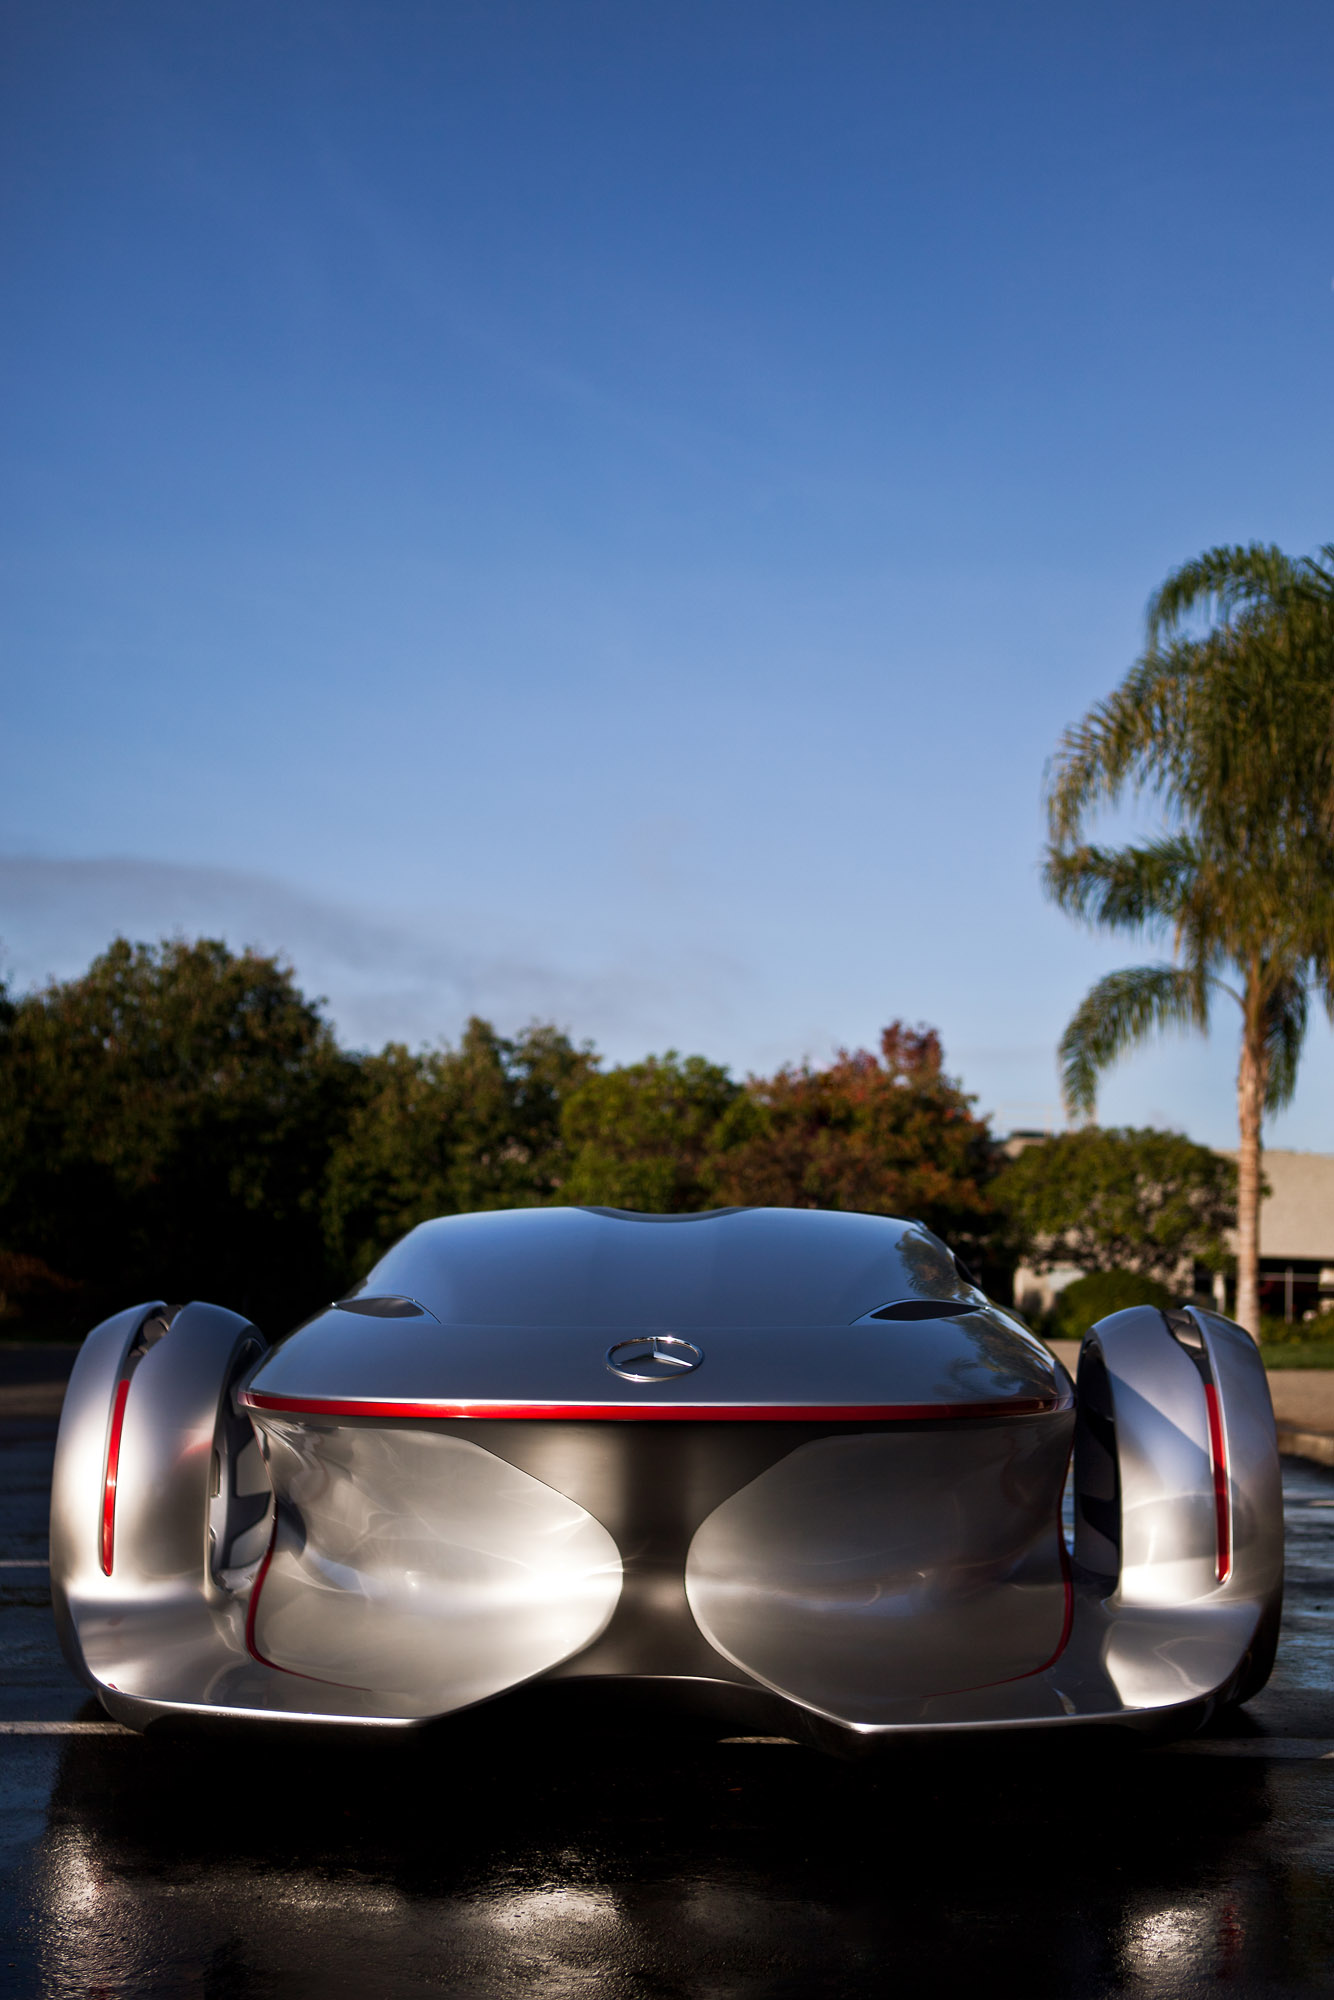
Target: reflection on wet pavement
526,1849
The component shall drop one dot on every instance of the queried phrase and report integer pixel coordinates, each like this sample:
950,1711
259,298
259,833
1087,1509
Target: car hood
759,1311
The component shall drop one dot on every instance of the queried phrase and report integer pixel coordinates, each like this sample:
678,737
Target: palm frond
1227,721
1285,1031
1224,580
1231,731
1315,578
1126,742
1122,1010
1124,888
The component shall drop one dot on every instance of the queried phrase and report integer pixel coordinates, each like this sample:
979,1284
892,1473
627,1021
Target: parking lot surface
547,1851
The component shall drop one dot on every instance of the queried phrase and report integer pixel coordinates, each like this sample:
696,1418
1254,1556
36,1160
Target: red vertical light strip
109,1483
252,1610
1218,1463
253,1607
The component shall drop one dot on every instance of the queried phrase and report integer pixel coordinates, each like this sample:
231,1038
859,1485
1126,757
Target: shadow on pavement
510,1853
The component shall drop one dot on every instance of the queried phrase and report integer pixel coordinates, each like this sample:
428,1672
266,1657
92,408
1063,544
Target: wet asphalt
543,1850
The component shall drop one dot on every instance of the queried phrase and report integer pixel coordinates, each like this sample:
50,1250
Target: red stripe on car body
251,1644
461,1409
109,1479
253,1606
1218,1466
1067,1617
1067,1626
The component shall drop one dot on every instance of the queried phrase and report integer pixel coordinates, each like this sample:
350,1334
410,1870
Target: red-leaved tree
890,1134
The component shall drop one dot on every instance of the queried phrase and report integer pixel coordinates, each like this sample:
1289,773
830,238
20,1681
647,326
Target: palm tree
1227,720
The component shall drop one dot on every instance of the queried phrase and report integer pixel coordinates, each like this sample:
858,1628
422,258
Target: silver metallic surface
576,1267
1176,1625
569,1841
191,1506
653,1357
779,1299
863,1570
937,1363
444,1487
423,1567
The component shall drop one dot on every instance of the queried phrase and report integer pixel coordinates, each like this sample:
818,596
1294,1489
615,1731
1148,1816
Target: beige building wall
1296,1227
1297,1215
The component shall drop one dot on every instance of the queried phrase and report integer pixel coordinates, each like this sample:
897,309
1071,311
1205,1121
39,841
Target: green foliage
1230,730
166,1120
32,1294
889,1135
1120,1199
1102,1292
449,1130
179,1122
1309,1344
1123,1009
1212,716
645,1136
1321,1327
1277,1332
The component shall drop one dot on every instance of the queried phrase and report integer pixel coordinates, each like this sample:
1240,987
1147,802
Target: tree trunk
1250,1112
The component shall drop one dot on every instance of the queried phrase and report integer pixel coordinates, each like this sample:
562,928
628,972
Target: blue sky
602,511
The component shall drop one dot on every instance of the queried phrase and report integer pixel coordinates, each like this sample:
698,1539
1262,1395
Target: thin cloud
398,978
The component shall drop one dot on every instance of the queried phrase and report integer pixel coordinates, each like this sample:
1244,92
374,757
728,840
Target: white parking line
1291,1749
1313,1748
789,1741
1308,1749
65,1729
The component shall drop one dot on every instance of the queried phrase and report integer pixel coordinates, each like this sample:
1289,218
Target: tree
643,1136
450,1130
890,1134
1229,727
1120,1199
1079,1306
168,1120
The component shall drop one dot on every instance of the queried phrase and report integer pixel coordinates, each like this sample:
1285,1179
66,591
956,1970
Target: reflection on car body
794,1455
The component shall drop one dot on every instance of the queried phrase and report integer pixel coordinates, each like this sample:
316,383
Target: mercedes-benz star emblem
657,1357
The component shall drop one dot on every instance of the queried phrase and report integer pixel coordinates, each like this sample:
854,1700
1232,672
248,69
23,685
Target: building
1296,1242
1296,1235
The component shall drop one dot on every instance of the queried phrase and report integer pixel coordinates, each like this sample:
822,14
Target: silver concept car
785,1451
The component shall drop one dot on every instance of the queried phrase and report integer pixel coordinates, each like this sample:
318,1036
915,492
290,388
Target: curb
1318,1446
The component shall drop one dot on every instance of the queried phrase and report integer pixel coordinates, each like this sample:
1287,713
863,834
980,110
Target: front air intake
925,1309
